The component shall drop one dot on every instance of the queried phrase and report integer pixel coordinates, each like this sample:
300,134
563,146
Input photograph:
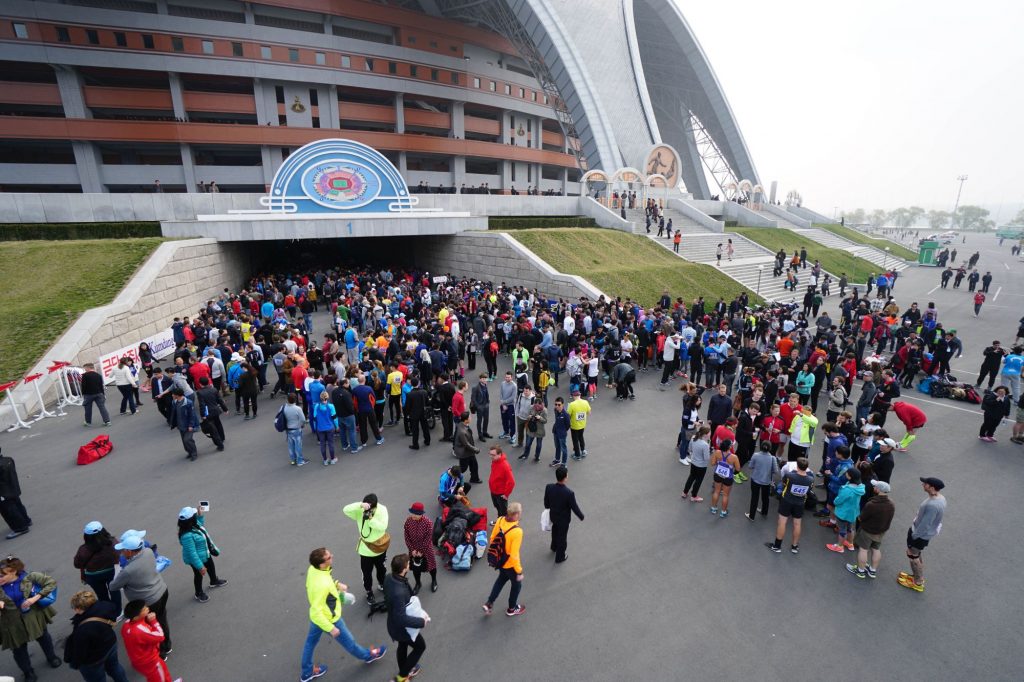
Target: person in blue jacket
451,484
183,417
847,504
198,550
559,431
324,418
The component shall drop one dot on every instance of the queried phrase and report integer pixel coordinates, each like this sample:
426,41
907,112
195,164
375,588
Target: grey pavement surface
654,588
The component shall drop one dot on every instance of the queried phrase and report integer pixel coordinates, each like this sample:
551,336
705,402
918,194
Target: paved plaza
654,588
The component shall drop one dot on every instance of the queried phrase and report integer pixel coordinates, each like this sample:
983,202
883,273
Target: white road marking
996,297
933,402
1006,266
935,287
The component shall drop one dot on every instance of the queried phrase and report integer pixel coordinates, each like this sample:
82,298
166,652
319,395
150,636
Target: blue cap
132,542
187,513
131,532
92,528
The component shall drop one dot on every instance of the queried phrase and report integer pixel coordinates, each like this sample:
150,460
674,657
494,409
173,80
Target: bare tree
938,219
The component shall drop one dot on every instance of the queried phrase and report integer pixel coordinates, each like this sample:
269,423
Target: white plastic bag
545,520
415,609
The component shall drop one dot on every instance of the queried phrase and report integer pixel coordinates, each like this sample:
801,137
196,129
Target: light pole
956,204
760,269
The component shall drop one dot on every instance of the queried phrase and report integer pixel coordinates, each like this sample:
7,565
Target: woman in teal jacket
847,505
198,550
324,418
805,383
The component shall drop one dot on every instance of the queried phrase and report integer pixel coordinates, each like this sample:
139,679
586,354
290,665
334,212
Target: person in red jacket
913,418
197,371
459,399
142,636
501,482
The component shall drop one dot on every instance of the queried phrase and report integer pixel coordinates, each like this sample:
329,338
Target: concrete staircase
679,222
748,257
782,222
871,254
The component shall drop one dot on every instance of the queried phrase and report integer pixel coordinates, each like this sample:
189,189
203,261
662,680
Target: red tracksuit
142,643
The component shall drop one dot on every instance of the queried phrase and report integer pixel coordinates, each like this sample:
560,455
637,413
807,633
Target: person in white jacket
124,379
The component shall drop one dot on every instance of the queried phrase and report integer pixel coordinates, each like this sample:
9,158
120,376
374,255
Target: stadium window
368,65
414,71
120,39
316,121
321,59
434,74
92,36
493,86
455,78
411,39
314,97
533,95
20,30
293,54
177,44
346,62
147,41
522,93
236,49
279,94
476,83
266,52
508,89
392,68
433,44
63,35
453,48
207,47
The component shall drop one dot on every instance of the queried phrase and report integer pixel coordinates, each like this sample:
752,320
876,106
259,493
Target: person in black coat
210,407
416,405
160,384
92,645
719,407
561,501
445,393
398,595
11,508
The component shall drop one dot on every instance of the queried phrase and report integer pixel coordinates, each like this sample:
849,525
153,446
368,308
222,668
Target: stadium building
122,95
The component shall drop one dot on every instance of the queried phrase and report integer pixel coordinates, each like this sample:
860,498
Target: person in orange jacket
510,570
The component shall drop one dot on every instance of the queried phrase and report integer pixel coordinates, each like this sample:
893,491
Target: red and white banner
161,345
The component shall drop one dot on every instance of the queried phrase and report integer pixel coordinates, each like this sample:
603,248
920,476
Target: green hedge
13,232
532,222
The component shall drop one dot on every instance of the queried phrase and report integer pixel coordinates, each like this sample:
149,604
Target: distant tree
857,216
914,213
877,218
972,218
899,217
938,219
793,198
1019,218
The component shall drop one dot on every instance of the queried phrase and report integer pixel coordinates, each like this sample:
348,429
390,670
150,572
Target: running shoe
724,513
377,654
852,568
795,549
872,573
772,547
910,584
837,548
488,609
696,498
318,671
518,610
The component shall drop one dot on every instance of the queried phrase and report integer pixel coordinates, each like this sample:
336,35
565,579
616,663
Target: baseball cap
881,486
888,441
131,532
92,528
933,482
187,513
132,542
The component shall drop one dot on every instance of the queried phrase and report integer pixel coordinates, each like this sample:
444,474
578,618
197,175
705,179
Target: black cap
934,482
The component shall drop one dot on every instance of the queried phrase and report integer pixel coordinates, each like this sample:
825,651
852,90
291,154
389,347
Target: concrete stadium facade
114,95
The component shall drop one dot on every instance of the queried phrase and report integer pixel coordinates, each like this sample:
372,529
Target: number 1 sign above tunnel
337,175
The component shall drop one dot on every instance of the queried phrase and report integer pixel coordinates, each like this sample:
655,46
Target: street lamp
760,269
956,204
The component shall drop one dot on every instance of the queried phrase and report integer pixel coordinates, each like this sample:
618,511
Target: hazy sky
875,104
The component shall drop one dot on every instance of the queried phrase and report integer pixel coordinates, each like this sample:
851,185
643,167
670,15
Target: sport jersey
579,410
723,469
795,486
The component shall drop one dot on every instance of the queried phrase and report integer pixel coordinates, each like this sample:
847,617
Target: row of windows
208,47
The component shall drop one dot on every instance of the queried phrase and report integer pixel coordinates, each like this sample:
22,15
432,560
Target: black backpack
497,554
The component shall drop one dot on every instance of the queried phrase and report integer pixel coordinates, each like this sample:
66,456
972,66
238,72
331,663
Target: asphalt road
655,587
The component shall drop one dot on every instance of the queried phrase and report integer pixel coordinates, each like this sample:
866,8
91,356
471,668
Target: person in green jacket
372,519
22,619
326,596
198,550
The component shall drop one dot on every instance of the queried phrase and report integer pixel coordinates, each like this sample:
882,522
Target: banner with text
161,345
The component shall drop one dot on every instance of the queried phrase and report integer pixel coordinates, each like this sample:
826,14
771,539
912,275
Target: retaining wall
497,257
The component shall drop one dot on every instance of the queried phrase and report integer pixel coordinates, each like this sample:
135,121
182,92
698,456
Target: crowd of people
401,352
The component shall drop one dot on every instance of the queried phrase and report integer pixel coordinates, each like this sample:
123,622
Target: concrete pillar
536,174
506,174
267,161
161,6
328,24
88,162
565,181
458,171
538,133
399,112
188,167
403,164
333,110
69,83
506,123
177,98
250,18
458,117
263,117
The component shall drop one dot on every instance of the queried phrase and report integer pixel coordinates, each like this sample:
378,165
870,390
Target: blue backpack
462,560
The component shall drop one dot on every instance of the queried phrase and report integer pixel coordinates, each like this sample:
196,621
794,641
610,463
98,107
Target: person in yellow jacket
372,520
326,596
511,571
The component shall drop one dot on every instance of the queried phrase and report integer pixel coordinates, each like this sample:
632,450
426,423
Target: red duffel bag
98,448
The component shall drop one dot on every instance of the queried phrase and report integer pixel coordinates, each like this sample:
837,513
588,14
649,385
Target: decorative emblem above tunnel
337,175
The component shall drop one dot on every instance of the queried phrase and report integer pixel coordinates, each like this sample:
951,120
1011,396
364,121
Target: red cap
417,508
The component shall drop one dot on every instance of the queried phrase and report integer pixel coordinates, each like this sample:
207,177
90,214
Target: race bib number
581,416
723,470
799,490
